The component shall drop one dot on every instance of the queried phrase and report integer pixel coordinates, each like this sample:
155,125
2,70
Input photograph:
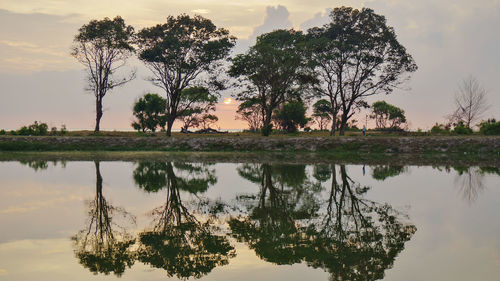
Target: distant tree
271,71
292,115
149,112
387,116
180,52
321,113
103,46
490,127
470,102
197,102
206,120
250,112
358,56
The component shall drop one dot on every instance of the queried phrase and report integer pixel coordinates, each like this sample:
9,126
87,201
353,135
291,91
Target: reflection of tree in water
178,242
383,172
352,238
40,165
469,180
104,246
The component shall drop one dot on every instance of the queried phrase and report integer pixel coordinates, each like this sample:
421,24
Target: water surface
149,220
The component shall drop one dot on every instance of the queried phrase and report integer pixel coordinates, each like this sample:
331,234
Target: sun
228,100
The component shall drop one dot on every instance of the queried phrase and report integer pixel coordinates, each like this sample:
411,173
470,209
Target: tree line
354,56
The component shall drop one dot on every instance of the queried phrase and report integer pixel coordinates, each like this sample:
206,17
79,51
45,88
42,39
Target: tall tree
470,102
103,46
357,55
180,52
272,70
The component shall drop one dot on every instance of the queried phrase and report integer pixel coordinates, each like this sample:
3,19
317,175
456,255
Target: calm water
227,221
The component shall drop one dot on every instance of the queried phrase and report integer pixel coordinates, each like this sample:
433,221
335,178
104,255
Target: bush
35,129
461,129
440,129
2,132
490,127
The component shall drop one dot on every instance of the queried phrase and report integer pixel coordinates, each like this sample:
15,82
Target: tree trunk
343,124
98,111
334,126
170,123
266,129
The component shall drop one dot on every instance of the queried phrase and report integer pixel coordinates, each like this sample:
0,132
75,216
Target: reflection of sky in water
39,212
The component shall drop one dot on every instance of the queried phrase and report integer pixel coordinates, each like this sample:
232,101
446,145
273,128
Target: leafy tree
440,129
103,46
357,55
272,70
250,111
386,171
35,129
149,112
462,129
321,113
470,102
387,116
292,115
178,53
104,246
202,101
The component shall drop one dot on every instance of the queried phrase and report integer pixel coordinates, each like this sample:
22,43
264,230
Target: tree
357,55
470,102
202,102
321,113
103,47
271,71
150,113
387,115
292,115
178,53
250,111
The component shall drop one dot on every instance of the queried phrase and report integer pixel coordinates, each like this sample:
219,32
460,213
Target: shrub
35,129
440,129
490,127
2,132
461,129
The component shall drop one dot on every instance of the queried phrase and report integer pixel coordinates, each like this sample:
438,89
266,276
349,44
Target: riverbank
419,145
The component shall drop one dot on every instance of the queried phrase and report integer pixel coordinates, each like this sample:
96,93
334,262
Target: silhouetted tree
103,46
321,113
470,102
387,116
357,55
273,70
149,112
250,112
179,53
292,115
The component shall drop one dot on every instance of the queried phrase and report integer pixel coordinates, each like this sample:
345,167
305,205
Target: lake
157,220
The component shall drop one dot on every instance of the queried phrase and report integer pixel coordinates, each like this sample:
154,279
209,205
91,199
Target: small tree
470,102
149,112
103,47
321,113
250,112
291,116
178,52
387,116
195,102
490,127
206,120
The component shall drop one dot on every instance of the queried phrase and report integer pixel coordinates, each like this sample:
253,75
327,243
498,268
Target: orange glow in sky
228,100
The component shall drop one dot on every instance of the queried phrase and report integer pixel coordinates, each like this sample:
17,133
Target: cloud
319,19
201,11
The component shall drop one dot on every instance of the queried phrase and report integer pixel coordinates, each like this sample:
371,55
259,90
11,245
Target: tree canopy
181,53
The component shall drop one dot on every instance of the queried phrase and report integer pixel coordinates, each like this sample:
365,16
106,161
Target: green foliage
292,115
149,112
322,110
177,52
35,129
387,116
382,172
461,129
490,127
197,101
2,132
272,71
440,129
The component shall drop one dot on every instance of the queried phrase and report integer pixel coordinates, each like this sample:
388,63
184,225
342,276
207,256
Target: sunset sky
39,80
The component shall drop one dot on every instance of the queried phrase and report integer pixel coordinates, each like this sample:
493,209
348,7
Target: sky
39,80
